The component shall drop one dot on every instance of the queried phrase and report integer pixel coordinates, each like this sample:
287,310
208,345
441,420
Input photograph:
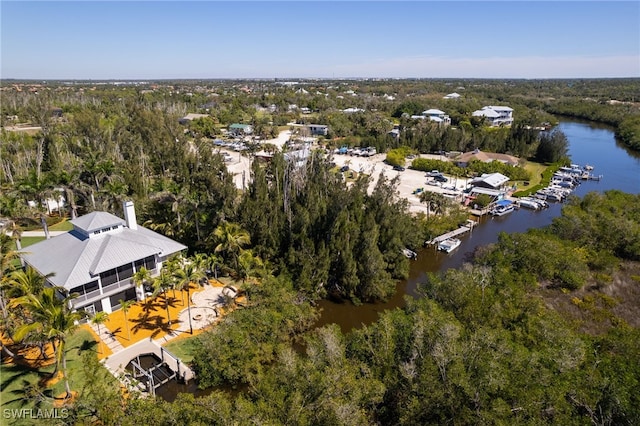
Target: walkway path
107,337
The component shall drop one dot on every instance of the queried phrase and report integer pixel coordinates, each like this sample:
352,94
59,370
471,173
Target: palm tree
125,305
141,277
248,265
27,281
435,202
54,316
99,318
7,257
231,238
190,273
161,283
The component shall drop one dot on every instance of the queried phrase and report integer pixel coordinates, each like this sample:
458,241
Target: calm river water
588,144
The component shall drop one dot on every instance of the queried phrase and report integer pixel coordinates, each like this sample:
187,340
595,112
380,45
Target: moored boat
529,204
449,245
410,254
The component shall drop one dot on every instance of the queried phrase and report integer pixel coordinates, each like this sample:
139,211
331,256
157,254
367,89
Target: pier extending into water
463,229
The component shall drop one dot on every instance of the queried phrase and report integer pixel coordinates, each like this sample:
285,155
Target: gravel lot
374,165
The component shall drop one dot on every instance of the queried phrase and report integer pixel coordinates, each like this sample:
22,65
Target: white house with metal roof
496,115
97,259
437,116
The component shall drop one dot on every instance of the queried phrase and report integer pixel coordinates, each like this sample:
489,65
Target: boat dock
463,229
170,367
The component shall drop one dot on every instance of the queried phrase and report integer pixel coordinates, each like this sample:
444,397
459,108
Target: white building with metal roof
490,180
437,116
97,259
496,115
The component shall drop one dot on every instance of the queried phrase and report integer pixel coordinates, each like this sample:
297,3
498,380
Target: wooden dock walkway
465,228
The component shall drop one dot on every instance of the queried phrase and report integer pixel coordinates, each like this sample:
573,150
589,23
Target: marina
587,141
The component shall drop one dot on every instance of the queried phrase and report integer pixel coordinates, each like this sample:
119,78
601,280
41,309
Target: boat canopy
504,203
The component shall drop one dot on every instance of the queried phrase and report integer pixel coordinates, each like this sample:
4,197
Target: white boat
539,201
529,204
501,210
449,245
410,254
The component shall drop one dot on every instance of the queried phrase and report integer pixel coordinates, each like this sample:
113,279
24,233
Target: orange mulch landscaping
62,399
148,319
48,381
28,356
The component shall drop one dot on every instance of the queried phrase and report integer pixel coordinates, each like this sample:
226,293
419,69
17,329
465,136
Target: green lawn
65,225
27,241
535,172
20,387
182,348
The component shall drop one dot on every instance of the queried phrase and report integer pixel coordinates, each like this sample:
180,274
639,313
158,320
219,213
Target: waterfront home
496,115
98,258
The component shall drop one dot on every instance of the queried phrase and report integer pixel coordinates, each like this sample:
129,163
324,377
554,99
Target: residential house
496,115
98,258
438,116
352,110
434,115
453,95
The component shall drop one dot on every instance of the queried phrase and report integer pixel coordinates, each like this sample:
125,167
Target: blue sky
304,39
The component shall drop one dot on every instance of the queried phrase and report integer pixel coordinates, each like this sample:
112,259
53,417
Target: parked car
398,168
344,168
441,178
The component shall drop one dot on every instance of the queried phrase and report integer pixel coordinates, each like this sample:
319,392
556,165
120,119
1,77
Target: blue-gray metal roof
96,220
76,259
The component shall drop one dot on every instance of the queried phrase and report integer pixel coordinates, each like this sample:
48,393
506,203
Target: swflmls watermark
30,413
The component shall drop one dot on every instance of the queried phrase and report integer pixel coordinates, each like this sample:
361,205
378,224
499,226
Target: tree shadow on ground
157,323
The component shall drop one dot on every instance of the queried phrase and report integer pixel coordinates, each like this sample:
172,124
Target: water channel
588,144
